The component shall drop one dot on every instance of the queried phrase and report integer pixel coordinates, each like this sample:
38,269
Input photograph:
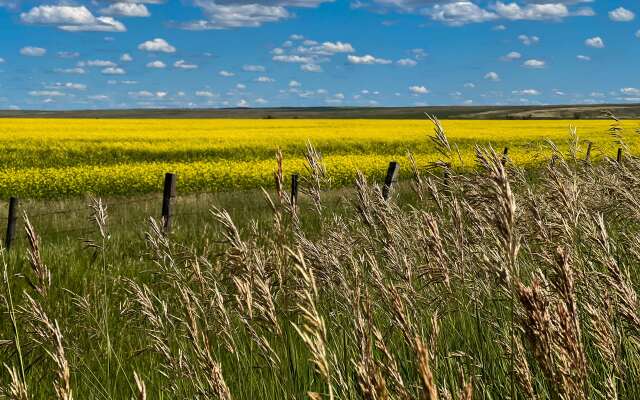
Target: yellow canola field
46,158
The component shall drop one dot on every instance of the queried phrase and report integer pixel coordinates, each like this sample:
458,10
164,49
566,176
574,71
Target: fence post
294,190
505,155
11,222
392,177
619,156
168,193
587,158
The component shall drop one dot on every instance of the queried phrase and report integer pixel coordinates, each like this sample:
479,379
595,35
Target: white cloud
68,85
242,103
31,51
296,37
182,64
253,68
419,54
311,68
292,58
630,91
226,16
264,79
113,71
97,63
469,85
418,90
514,55
529,40
294,84
534,64
583,57
46,93
621,14
260,100
126,57
77,70
638,34
157,45
2,61
68,54
148,94
241,86
206,93
407,62
595,42
367,59
70,18
101,24
98,97
492,76
337,47
126,10
526,92
157,64
547,11
460,13
226,74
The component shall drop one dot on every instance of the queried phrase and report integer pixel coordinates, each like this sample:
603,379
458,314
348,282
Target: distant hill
627,111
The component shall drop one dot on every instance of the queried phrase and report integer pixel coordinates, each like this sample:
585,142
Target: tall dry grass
494,282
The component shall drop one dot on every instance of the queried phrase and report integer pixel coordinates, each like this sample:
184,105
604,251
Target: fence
169,194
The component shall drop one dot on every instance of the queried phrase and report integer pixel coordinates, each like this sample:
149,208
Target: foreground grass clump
485,285
58,158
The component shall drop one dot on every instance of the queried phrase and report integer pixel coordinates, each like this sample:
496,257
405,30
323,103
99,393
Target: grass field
494,283
48,158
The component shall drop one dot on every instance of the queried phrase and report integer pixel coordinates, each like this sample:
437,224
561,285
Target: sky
76,54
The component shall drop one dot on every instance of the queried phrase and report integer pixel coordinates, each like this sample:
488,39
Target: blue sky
76,54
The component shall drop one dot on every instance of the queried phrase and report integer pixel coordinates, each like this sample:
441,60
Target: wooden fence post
294,190
587,157
505,155
619,156
392,177
168,193
11,222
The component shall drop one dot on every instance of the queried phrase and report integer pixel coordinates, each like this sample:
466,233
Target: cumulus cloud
68,85
71,19
126,10
227,16
292,58
113,71
460,13
182,64
31,51
583,57
367,59
157,64
253,68
68,54
526,92
226,74
514,55
205,93
46,93
595,42
630,91
76,71
157,45
407,62
418,90
621,14
337,47
265,79
534,64
492,76
529,40
96,63
311,68
294,84
547,11
126,57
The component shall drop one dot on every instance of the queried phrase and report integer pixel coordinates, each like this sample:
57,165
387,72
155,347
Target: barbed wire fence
170,205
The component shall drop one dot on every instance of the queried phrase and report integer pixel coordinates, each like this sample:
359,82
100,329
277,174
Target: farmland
53,158
491,283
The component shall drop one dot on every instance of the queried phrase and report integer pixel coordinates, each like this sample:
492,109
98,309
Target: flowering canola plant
49,158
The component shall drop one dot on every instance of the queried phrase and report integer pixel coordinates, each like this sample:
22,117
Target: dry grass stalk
41,272
140,386
16,388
